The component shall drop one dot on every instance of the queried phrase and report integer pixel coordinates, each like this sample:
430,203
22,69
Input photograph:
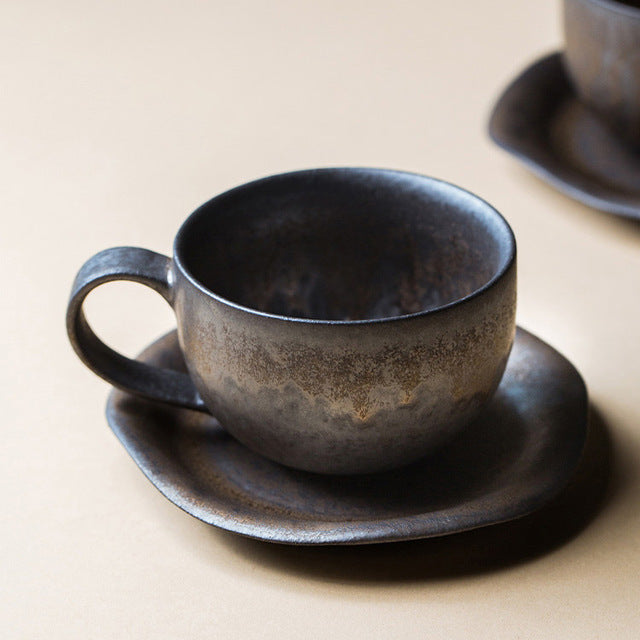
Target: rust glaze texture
345,395
603,59
339,320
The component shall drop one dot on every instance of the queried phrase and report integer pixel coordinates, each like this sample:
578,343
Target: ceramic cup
602,57
334,320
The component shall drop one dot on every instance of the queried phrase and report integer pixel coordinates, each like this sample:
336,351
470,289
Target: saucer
511,461
539,120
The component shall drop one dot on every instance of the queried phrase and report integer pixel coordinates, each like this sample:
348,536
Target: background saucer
539,120
508,463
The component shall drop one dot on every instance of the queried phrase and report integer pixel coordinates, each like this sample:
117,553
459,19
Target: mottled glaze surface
515,457
390,364
347,398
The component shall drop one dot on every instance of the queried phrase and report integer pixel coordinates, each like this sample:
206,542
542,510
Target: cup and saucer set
346,367
573,117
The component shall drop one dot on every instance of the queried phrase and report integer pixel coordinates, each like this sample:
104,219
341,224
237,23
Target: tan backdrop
117,119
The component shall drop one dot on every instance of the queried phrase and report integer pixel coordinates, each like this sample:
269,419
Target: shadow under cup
343,248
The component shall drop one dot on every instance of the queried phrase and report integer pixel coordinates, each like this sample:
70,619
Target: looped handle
148,268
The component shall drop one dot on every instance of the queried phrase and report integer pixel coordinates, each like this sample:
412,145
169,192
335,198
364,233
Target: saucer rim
506,141
428,524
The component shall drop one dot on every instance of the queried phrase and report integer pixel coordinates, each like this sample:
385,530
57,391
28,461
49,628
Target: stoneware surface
514,458
539,119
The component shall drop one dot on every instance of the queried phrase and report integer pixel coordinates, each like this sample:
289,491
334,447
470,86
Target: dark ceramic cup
333,320
602,57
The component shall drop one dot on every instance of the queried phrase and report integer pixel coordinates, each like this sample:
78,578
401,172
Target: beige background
118,119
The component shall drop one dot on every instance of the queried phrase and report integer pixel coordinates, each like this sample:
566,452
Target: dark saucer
539,120
511,461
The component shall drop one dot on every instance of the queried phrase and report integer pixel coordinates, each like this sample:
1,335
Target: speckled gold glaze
349,397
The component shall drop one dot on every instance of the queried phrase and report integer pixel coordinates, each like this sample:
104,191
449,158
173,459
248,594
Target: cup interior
344,244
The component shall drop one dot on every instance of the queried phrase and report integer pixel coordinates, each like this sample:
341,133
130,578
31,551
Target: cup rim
617,6
437,184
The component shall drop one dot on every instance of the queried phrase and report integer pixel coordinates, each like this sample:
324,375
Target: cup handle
136,265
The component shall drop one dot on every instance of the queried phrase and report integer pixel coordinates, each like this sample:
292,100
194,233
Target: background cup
602,57
334,320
